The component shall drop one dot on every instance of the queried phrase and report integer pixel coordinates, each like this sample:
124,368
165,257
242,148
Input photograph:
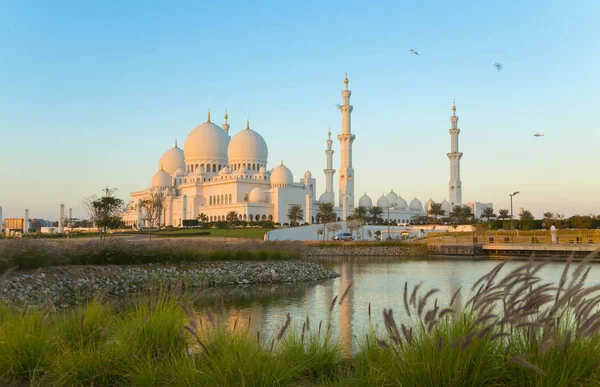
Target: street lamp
511,208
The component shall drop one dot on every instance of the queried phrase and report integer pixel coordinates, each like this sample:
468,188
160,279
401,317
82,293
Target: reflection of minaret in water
346,139
455,185
346,309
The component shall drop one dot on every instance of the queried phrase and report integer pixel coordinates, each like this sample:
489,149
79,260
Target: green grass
246,233
512,331
33,254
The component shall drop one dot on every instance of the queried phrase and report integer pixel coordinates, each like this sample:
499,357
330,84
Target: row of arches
190,168
216,200
249,217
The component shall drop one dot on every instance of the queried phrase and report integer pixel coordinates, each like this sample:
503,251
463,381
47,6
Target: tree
326,213
526,220
488,213
526,215
105,211
295,214
232,218
360,213
548,215
152,209
320,231
333,228
461,214
436,210
503,214
202,217
354,225
374,214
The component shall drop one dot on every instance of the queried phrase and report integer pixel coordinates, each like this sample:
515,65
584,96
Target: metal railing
517,236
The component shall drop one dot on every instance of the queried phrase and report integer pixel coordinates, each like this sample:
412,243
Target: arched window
264,217
271,217
201,167
230,199
196,167
244,165
210,200
218,201
244,216
214,167
254,167
312,219
219,168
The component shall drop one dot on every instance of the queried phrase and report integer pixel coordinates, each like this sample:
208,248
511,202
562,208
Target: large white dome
383,202
447,207
416,205
327,197
206,142
282,176
365,201
161,179
172,160
247,146
391,197
400,203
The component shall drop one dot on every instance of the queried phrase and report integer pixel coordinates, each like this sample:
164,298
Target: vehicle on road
344,236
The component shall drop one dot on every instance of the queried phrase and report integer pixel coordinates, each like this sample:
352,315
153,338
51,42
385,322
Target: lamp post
511,208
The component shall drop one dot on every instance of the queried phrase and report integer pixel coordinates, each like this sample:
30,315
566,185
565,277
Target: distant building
16,224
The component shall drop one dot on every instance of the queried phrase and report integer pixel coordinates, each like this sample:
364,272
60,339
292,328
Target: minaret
454,156
329,171
346,139
226,125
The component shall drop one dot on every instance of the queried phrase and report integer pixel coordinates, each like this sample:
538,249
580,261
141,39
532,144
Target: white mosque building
215,174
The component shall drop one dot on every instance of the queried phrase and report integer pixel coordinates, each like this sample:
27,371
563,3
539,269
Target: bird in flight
538,134
498,66
414,52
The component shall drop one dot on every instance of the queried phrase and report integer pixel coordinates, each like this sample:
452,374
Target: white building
215,174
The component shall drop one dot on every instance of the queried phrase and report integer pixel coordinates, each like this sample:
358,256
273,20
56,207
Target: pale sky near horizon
92,94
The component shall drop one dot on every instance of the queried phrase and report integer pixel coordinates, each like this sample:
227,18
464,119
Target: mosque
216,173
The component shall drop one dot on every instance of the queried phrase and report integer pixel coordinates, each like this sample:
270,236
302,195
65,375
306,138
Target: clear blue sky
92,93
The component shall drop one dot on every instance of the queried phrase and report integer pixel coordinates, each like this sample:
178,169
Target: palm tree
295,214
461,214
488,213
436,210
374,214
326,214
548,215
360,213
202,217
526,215
232,217
503,214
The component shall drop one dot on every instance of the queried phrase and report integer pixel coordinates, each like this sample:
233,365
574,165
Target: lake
378,281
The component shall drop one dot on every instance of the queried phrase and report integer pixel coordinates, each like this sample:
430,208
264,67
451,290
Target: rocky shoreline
66,286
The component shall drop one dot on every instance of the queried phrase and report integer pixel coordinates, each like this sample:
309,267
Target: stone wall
364,251
456,249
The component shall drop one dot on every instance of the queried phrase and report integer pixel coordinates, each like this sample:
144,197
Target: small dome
447,207
400,203
206,142
172,160
161,179
282,175
391,197
256,195
307,174
247,146
416,205
180,171
383,202
327,197
224,171
365,201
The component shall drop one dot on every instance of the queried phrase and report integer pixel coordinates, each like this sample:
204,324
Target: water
377,281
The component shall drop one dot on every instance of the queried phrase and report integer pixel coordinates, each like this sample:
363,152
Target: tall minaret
454,156
329,171
346,139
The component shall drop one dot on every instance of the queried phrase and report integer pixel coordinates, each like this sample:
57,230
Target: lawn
250,233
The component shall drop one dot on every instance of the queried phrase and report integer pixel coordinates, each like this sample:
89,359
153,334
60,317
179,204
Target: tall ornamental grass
514,329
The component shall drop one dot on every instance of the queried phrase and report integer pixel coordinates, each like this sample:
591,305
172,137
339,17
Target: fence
517,236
